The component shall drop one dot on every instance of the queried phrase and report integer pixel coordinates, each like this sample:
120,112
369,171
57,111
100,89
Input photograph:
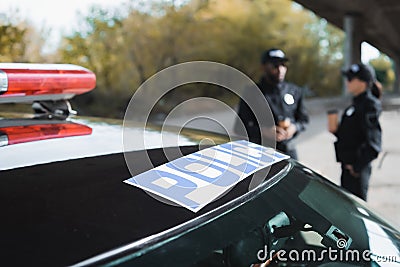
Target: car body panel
64,202
81,198
105,138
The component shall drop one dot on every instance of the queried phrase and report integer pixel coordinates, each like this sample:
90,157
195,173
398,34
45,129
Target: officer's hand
291,130
351,170
281,134
285,133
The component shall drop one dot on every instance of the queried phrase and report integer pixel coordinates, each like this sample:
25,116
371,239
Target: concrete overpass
373,21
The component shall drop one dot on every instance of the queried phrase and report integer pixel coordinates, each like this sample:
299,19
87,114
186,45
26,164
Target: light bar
12,135
26,82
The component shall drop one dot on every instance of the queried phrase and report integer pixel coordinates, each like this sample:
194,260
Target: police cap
273,55
361,71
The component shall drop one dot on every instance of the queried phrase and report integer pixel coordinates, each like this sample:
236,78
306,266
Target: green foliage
99,49
126,47
19,42
12,46
384,71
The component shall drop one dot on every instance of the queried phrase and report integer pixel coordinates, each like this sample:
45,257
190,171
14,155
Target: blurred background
125,43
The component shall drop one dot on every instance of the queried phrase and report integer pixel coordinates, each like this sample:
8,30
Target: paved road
315,149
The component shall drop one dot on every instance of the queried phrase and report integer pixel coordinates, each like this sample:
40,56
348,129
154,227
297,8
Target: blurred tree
12,45
240,30
124,51
384,71
317,55
98,48
20,42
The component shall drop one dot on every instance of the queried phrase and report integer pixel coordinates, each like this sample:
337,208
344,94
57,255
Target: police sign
195,180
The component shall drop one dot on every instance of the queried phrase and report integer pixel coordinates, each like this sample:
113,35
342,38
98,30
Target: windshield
301,220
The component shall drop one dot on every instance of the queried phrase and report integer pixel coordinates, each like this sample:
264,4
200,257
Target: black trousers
356,185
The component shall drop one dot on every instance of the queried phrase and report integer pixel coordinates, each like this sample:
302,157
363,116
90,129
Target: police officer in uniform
359,132
285,101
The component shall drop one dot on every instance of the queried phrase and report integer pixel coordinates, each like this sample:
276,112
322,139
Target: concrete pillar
353,39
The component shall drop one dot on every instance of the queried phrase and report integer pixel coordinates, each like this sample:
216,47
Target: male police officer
286,103
359,132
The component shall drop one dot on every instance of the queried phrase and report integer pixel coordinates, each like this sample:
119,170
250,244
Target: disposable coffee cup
333,120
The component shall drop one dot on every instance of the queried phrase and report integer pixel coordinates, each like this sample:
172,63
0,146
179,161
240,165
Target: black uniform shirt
285,101
359,132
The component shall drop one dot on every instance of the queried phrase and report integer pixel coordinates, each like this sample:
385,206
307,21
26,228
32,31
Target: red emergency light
28,82
28,133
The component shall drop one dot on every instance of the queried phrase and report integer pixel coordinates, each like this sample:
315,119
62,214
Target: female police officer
359,132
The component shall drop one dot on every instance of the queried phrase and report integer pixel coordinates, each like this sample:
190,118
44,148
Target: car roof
72,189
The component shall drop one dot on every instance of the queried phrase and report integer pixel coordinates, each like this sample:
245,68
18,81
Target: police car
68,197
